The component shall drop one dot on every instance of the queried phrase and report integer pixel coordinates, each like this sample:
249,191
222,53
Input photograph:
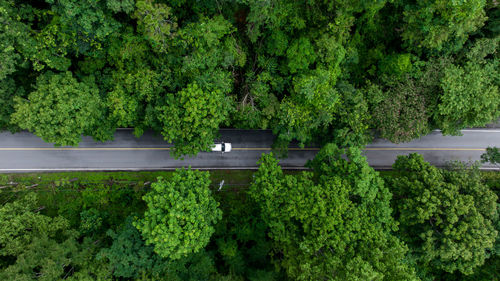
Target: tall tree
400,113
41,247
156,22
128,255
181,214
61,109
440,24
492,155
332,224
90,23
446,217
471,96
192,117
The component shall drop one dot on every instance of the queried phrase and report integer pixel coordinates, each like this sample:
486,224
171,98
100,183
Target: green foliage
432,24
43,259
43,248
299,68
258,106
88,21
21,223
91,221
446,217
402,114
333,224
181,214
396,64
156,22
128,256
300,55
191,118
339,207
11,33
7,94
312,106
205,52
352,119
198,267
471,97
482,48
492,155
241,239
117,6
60,109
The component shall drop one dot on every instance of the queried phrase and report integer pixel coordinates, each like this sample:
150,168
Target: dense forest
335,73
312,71
340,220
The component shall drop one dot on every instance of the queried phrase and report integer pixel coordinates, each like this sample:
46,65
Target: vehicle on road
222,147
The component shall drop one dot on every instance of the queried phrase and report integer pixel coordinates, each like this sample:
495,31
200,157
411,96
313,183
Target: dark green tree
42,248
401,112
492,155
128,255
88,22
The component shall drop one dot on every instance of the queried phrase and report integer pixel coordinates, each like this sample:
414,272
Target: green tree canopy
22,222
401,113
192,117
156,22
471,96
88,22
181,214
433,24
41,247
60,109
331,224
446,216
128,255
492,155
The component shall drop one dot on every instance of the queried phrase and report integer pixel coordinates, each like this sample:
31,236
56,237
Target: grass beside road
232,179
43,180
58,186
113,191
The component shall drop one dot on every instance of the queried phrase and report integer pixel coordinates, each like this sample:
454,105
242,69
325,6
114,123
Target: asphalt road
24,152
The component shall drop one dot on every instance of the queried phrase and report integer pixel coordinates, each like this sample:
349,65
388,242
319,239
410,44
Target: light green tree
191,118
21,222
60,109
181,214
471,96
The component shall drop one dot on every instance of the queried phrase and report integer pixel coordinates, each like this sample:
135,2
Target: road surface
24,152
